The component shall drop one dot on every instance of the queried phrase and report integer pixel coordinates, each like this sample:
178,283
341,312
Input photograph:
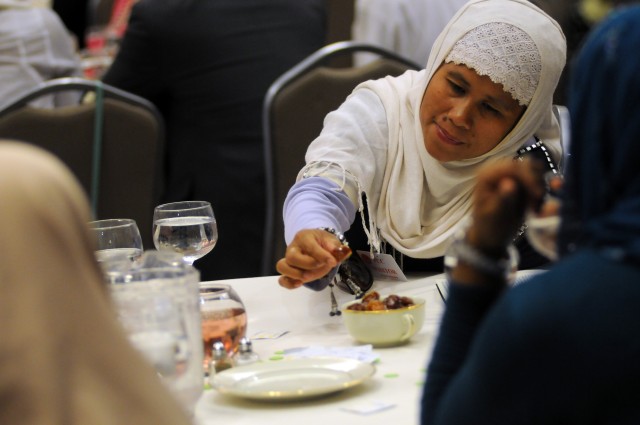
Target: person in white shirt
35,46
406,27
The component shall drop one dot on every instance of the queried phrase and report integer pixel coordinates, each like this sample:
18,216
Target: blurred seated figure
563,347
207,65
406,27
35,46
64,358
75,16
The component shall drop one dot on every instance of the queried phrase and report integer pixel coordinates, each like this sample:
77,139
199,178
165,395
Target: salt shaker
246,355
219,359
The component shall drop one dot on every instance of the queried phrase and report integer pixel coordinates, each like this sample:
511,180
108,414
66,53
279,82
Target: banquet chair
294,109
113,143
561,113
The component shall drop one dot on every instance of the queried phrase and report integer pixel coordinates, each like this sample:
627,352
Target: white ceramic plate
292,379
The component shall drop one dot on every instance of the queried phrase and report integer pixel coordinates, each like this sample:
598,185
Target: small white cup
384,328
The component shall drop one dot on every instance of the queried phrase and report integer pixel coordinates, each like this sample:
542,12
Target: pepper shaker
246,355
219,359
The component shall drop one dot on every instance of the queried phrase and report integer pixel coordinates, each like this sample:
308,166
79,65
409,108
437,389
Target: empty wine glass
118,241
187,227
542,234
543,225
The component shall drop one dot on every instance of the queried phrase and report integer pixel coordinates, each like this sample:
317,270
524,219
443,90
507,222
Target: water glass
118,243
188,228
157,303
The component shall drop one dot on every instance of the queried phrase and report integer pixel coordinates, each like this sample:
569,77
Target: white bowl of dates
384,321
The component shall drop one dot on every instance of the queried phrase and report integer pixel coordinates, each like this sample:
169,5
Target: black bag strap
539,151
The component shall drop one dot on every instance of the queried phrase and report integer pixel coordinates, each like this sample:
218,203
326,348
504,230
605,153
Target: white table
399,375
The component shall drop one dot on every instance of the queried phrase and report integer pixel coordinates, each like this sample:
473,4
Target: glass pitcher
157,302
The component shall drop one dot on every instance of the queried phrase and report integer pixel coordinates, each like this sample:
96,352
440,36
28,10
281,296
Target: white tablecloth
304,315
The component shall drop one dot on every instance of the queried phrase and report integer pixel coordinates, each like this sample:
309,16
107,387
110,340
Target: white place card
369,407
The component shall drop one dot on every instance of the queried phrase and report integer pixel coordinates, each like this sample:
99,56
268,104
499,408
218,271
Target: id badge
383,266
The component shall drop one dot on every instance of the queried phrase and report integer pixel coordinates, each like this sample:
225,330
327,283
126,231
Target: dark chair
294,110
114,144
562,115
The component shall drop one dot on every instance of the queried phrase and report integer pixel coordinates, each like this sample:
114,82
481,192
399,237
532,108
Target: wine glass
542,226
224,319
118,241
187,227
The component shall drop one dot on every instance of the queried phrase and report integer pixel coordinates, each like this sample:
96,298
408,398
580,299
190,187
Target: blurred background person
35,46
207,65
75,14
406,27
64,357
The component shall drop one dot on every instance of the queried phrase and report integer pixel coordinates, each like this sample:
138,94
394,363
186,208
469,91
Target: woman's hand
503,193
311,255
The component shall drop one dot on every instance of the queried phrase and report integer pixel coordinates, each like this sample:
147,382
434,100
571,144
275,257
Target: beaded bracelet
339,235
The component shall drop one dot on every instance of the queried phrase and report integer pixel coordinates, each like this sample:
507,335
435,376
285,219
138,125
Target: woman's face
465,115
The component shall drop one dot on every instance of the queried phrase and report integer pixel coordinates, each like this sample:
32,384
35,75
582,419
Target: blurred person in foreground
411,145
35,47
207,65
561,348
64,358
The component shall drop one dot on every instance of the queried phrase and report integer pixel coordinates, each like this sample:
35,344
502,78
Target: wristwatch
461,250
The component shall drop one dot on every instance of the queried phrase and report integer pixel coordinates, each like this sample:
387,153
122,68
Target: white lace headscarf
504,53
421,201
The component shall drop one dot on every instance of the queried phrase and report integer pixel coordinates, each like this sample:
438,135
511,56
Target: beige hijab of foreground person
64,360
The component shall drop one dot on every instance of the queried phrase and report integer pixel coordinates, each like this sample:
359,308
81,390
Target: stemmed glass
542,227
187,227
117,240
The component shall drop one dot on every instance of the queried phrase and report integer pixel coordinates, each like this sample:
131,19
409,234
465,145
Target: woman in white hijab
64,359
412,144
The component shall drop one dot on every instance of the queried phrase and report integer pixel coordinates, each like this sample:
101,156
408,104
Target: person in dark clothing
207,66
563,347
75,15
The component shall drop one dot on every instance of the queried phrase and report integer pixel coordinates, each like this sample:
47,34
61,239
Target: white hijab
422,201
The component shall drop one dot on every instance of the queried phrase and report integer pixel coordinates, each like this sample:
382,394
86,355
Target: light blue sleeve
316,202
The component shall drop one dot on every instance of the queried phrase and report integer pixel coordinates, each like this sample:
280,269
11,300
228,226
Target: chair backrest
294,110
562,115
129,158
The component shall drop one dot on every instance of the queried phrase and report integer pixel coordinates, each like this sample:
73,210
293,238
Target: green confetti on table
279,352
391,375
277,357
207,386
